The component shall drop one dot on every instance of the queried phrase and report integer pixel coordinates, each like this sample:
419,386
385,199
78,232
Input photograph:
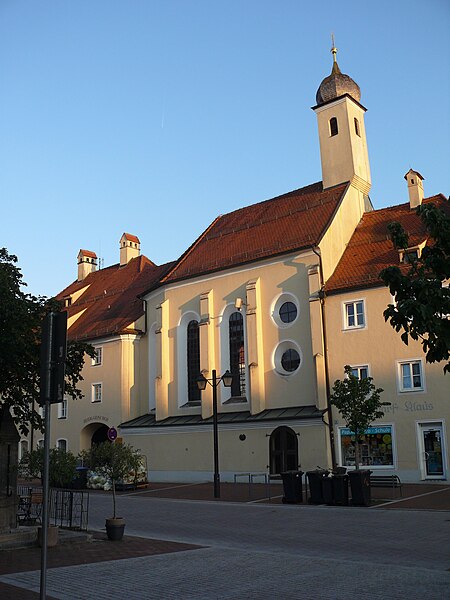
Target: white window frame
278,303
410,390
97,360
278,353
62,440
95,386
358,368
62,409
354,303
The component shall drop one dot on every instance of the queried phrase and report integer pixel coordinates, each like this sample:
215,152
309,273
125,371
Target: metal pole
216,437
47,405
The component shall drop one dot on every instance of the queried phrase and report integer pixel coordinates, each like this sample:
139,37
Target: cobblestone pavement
253,551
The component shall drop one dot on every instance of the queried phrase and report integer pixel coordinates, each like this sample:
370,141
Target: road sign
112,434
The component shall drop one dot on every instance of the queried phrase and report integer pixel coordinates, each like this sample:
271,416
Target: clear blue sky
153,117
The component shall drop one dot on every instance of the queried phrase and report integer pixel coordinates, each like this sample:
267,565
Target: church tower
342,135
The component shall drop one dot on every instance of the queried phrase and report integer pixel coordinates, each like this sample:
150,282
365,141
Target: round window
288,312
290,361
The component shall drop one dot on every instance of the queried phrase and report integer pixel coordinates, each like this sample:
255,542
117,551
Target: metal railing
67,508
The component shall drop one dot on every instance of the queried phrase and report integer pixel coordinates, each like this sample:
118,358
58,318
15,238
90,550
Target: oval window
288,312
290,361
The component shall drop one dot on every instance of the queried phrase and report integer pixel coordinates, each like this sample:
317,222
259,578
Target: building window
354,314
376,447
410,376
98,357
193,361
96,392
62,409
288,312
287,358
61,444
237,353
40,444
360,372
23,448
357,127
333,126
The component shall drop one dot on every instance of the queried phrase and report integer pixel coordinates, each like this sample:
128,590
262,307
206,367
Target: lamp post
227,379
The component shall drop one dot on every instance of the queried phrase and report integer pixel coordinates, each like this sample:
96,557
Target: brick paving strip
99,549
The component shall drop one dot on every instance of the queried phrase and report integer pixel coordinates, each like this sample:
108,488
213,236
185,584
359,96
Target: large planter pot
115,528
360,486
52,536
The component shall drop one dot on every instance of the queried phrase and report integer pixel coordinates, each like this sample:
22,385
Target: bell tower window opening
237,354
357,127
333,126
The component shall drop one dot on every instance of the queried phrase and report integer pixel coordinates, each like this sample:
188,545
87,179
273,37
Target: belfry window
193,361
357,127
333,126
237,354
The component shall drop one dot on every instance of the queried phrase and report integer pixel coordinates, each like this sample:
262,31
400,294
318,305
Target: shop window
376,447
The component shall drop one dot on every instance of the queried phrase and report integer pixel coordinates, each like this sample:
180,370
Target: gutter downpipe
325,356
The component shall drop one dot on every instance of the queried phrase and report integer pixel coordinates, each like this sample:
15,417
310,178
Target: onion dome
337,84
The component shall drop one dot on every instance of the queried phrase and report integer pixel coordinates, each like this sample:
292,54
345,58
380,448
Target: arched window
333,126
283,450
237,353
193,361
357,127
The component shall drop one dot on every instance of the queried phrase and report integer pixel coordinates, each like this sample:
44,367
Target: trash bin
292,487
340,489
315,479
79,482
360,486
327,490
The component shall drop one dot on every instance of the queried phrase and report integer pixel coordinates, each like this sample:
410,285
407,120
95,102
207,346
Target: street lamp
227,379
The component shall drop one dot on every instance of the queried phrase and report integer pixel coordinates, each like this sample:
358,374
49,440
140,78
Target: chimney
87,263
415,188
130,247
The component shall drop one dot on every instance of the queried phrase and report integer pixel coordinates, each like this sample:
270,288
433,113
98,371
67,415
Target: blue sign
369,430
112,434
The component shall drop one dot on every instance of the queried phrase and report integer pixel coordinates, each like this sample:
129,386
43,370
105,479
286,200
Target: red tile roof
88,253
287,223
131,238
110,302
370,249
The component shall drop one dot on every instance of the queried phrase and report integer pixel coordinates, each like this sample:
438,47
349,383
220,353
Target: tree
62,466
21,317
358,401
115,461
421,292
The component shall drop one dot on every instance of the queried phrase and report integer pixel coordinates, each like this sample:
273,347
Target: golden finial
333,49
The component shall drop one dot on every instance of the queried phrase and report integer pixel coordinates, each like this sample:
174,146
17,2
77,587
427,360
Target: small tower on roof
87,263
342,135
130,247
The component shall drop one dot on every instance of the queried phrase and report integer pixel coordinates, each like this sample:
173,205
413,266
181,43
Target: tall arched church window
193,361
283,450
237,353
357,127
333,126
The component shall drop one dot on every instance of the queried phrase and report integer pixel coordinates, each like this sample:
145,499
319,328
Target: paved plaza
181,548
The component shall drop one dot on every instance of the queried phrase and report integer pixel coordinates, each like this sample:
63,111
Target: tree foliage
422,296
62,466
115,461
21,317
359,403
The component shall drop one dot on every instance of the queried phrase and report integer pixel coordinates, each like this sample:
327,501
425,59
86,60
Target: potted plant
359,403
115,461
